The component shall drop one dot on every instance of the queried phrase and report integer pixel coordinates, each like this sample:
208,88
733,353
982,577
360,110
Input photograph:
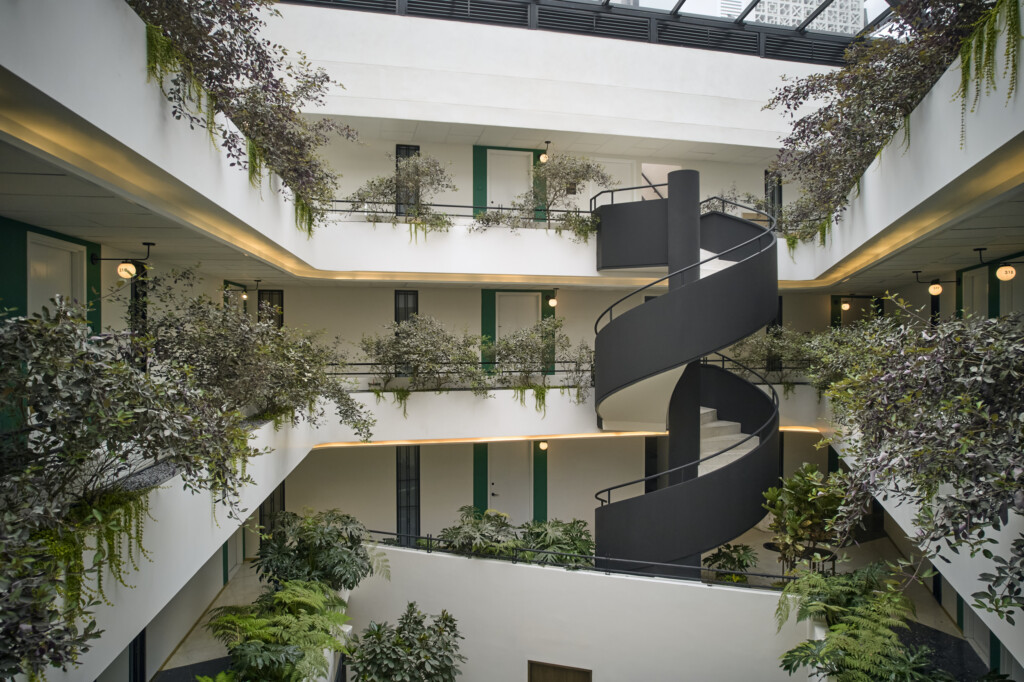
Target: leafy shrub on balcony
859,109
562,538
406,195
209,59
327,547
421,355
490,533
524,359
246,362
931,415
425,356
81,420
415,650
284,635
729,557
486,532
552,199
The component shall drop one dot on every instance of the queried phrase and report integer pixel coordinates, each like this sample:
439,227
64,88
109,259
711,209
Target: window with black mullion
407,467
270,304
405,196
407,304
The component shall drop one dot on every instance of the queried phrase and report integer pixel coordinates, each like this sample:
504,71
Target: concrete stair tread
718,428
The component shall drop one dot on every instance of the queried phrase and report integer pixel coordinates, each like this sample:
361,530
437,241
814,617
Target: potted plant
802,509
415,650
328,547
487,532
729,557
286,635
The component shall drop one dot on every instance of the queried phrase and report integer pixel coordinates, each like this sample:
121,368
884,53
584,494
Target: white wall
169,627
446,483
806,312
361,480
578,468
460,414
622,628
799,448
358,481
449,72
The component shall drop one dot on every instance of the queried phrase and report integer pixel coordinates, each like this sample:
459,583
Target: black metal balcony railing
461,210
605,20
580,562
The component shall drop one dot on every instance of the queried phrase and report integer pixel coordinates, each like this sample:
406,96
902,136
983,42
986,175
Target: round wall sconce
1005,272
845,306
545,156
543,445
935,286
128,267
553,301
245,295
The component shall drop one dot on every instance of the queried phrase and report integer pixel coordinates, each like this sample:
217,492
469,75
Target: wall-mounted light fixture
1005,272
127,268
545,156
935,286
543,445
845,305
553,301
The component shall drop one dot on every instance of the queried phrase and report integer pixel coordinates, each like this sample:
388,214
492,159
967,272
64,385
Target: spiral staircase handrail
717,256
604,495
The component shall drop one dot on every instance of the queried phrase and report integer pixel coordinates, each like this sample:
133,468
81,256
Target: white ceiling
412,132
999,228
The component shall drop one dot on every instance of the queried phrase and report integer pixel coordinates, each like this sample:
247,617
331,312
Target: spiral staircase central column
683,237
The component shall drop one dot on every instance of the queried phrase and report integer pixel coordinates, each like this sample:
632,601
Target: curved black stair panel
683,520
687,323
648,373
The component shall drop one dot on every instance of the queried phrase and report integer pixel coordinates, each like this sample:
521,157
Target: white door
1011,294
975,294
509,174
510,468
515,311
54,267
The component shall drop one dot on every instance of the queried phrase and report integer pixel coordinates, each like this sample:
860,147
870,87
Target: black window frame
402,200
268,296
407,304
407,494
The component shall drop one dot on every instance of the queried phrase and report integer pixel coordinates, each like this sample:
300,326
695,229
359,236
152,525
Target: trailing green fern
282,636
978,55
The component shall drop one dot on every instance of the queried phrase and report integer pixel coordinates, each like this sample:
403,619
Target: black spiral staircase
652,371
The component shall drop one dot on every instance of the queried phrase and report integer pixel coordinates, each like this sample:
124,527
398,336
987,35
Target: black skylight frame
603,19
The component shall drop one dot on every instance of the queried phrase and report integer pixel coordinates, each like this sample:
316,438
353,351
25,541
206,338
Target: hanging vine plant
209,59
860,107
81,419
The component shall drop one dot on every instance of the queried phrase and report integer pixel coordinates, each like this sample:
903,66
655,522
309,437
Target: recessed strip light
487,439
